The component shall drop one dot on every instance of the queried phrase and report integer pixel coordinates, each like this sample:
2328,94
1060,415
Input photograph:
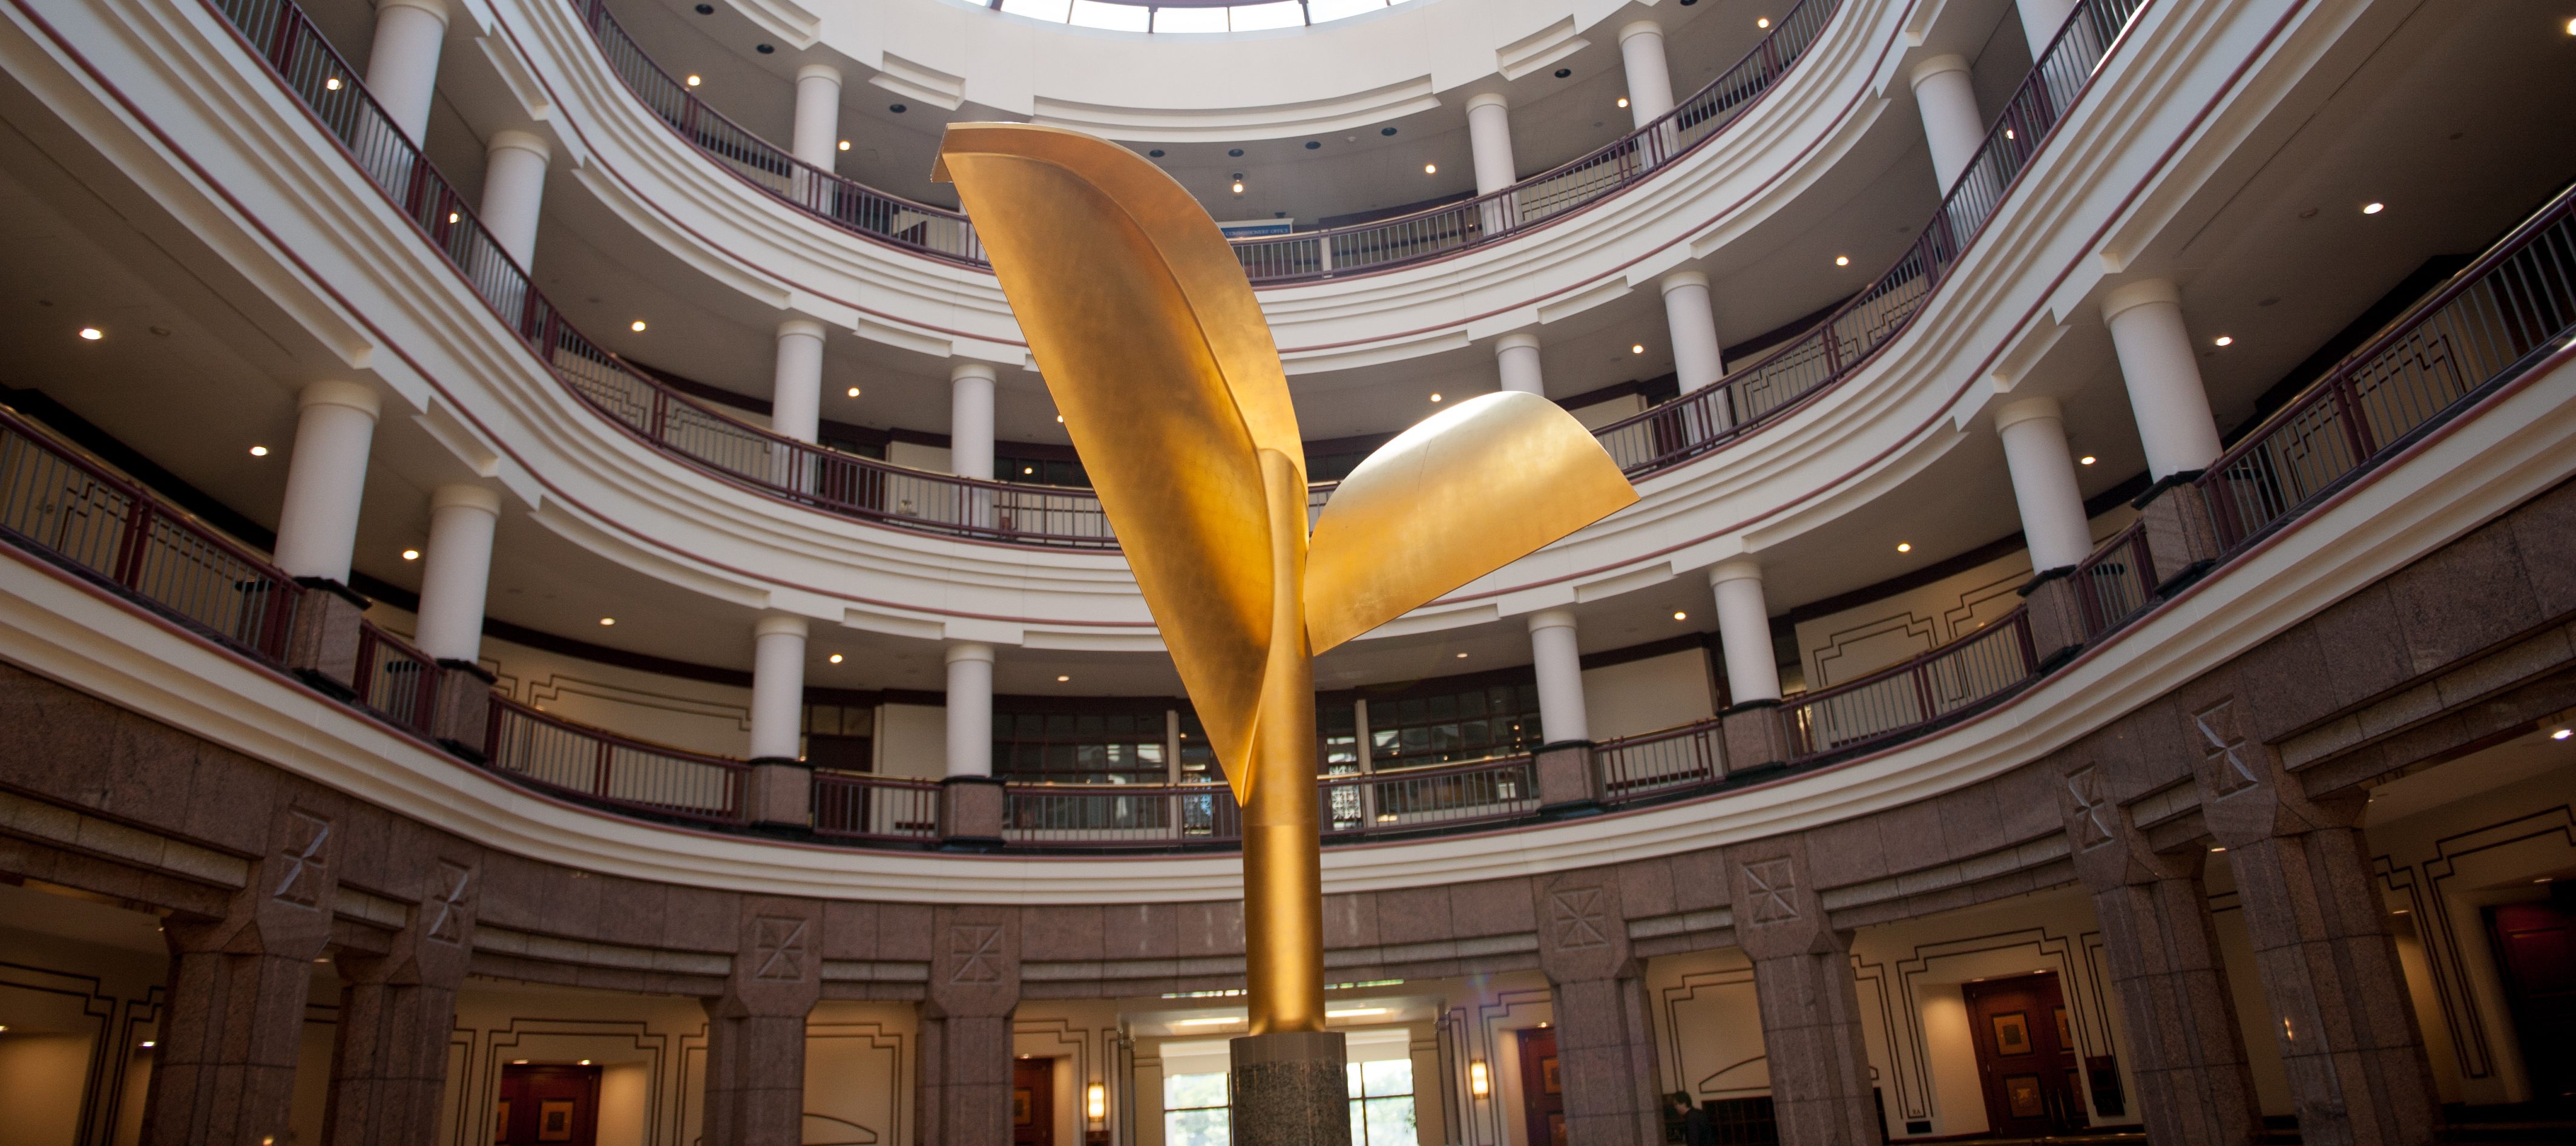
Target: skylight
1153,16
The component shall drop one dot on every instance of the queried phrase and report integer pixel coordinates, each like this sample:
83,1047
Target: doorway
553,1105
1033,1102
2025,1055
1542,1087
2535,946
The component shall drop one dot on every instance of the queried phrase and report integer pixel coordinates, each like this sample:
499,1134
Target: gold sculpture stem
1283,858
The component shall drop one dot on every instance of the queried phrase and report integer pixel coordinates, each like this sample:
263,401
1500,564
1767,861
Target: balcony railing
941,233
1657,763
552,752
879,808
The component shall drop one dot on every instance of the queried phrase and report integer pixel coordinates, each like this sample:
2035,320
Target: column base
971,810
1566,785
2182,533
1290,1089
322,641
1755,741
461,720
780,795
2056,616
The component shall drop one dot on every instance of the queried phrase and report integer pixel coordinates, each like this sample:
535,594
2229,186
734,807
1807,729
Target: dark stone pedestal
1290,1090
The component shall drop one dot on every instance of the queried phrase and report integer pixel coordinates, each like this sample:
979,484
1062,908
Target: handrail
1661,762
551,752
947,235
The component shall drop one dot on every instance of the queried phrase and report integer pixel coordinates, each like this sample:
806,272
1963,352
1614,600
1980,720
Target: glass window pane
1051,10
1189,19
1322,10
1390,1121
1359,1120
1388,1078
1256,17
1183,1091
1197,1128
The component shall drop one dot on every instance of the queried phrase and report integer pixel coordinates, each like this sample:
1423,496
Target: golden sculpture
1145,328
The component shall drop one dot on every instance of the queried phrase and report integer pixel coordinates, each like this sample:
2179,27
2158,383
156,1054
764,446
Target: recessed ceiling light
2219,848
1060,678
451,216
694,81
637,326
2225,340
2373,208
898,108
1636,348
259,451
1905,547
331,85
1462,656
518,1062
1238,184
854,391
1678,615
585,1062
2571,27
845,145
411,555
1156,153
1762,21
2562,734
1435,397
1842,260
836,658
92,333
2086,460
1028,471
1431,169
1314,144
1391,131
1561,73
1059,419
608,620
1623,101
148,1044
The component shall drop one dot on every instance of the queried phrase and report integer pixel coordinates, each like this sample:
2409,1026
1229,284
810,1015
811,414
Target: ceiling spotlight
2373,208
1028,471
331,85
845,145
608,620
92,333
585,1062
1462,656
259,451
2224,340
1842,260
836,658
1431,169
1061,679
1623,101
854,391
2562,734
2086,460
1435,397
1636,348
411,555
2219,848
148,1044
637,326
1762,21
1678,615
1238,183
1905,547
1059,419
2571,27
694,81
451,216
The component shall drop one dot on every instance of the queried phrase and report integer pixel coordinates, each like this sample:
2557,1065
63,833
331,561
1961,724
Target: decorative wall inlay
1577,915
2222,748
778,942
975,945
449,886
306,867
2092,811
1768,886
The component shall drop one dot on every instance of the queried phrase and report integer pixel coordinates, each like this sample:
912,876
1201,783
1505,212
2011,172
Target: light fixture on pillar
1478,1082
1095,1102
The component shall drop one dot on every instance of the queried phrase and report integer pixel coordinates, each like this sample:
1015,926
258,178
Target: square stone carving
449,886
2223,749
976,947
1577,916
2092,812
778,949
306,866
1770,888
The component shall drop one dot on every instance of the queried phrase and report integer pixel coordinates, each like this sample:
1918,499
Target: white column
1744,631
777,687
1489,138
2043,480
796,386
317,529
970,709
817,133
456,571
1516,356
1559,666
1948,105
514,187
970,420
1650,82
2163,377
402,67
2040,21
1692,319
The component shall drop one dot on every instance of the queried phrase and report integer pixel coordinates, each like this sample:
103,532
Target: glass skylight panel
1052,11
1322,10
1256,17
1117,17
1190,20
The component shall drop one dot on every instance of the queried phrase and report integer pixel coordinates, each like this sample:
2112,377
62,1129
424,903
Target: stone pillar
1802,981
514,191
1692,320
1516,358
389,1056
456,572
317,528
2043,481
2340,1008
230,1032
1489,139
971,800
2188,1055
1650,81
1744,631
402,67
1947,102
756,1029
781,784
815,138
1559,666
965,1043
970,420
2163,378
2040,22
796,384
1605,1036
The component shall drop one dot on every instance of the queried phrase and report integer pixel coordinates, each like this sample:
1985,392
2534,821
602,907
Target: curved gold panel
1467,491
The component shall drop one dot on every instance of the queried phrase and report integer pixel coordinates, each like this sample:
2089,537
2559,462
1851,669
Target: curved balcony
681,426
1338,252
2495,321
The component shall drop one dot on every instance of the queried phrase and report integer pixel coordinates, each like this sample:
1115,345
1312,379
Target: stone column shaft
1516,359
815,138
970,420
389,1063
456,571
1947,101
1559,667
1744,631
326,478
796,381
402,66
1820,1086
514,192
1691,318
2043,481
2162,376
1650,79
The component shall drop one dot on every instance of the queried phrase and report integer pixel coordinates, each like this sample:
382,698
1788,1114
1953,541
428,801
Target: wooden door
2025,1055
2535,946
553,1105
1542,1087
1033,1102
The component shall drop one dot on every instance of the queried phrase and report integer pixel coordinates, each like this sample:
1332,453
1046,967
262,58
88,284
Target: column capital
1487,99
465,495
1738,569
969,368
780,625
2013,414
968,651
516,140
1636,28
804,327
818,72
2131,295
1948,62
1516,340
1679,279
349,394
437,9
1551,619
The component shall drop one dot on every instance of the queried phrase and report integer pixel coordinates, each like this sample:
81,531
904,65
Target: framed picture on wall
2021,1093
554,1120
1547,1076
2065,1032
2012,1033
1020,1106
501,1122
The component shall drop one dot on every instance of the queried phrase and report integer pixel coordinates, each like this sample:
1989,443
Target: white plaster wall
1647,695
912,740
40,1087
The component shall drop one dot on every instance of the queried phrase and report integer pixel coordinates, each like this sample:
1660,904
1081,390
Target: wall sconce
1095,1102
1479,1083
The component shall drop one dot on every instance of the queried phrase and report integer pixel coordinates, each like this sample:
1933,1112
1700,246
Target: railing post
2356,430
132,543
599,771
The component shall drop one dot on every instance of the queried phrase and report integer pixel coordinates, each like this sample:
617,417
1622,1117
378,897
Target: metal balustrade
556,753
1095,815
1436,796
2115,582
885,808
396,680
1656,763
1948,681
